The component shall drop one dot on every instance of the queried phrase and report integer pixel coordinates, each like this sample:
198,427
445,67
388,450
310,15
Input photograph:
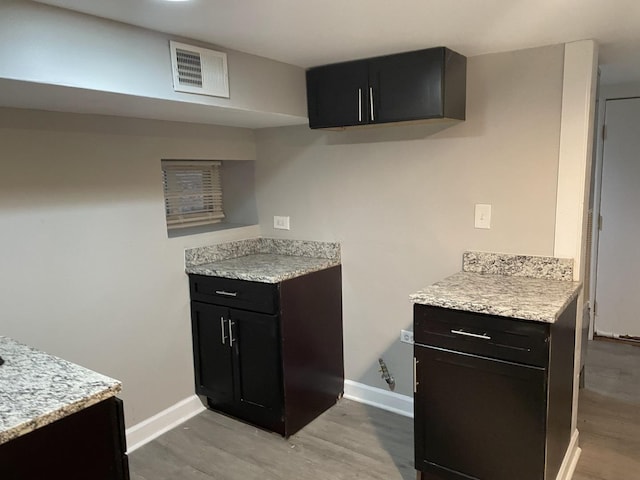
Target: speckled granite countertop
263,267
264,260
517,287
37,389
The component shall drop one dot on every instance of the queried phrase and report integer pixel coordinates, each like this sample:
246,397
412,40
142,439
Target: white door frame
616,92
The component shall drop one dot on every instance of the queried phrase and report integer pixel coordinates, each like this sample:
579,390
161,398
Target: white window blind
192,193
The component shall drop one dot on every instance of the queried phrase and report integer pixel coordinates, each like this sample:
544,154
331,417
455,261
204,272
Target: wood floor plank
609,413
355,441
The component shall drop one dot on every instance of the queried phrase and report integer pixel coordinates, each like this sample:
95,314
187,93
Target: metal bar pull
224,337
371,103
359,104
231,333
415,375
226,294
483,336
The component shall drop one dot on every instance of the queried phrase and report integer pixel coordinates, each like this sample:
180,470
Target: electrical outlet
406,336
281,223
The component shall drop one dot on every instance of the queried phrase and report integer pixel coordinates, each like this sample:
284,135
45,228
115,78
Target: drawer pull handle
484,336
226,294
224,337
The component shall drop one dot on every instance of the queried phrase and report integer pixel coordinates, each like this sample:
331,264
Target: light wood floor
349,441
354,441
609,413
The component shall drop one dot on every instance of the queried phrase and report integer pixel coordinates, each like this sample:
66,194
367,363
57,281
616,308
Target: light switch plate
483,215
281,223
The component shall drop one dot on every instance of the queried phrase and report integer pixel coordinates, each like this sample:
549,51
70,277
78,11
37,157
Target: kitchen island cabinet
494,358
57,419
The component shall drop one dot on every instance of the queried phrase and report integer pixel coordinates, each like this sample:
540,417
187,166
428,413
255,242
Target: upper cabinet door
417,86
337,95
407,86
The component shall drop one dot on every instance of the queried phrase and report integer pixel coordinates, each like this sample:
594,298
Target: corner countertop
528,288
263,259
37,389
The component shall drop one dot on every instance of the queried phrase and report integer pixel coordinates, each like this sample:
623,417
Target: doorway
617,302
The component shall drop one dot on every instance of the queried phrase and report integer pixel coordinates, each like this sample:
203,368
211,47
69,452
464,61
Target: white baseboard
570,458
161,422
377,397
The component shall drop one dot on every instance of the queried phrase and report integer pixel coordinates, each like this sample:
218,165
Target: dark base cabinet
493,396
269,354
89,444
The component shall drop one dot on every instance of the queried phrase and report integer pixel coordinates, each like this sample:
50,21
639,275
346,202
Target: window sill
216,227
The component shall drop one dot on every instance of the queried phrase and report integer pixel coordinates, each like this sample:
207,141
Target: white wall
574,173
43,45
401,201
88,272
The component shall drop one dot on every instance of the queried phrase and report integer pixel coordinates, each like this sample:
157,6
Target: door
618,267
478,418
212,352
407,86
258,365
337,95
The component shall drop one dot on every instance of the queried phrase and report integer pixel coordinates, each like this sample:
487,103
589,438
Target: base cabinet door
258,359
257,368
478,418
212,352
237,362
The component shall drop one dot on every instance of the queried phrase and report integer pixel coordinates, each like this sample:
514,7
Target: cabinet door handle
224,337
415,375
231,333
226,294
359,104
483,336
371,103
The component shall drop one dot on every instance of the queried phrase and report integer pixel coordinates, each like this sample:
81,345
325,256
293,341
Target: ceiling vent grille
199,70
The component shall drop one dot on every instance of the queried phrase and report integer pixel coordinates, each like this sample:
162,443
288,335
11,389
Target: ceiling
308,33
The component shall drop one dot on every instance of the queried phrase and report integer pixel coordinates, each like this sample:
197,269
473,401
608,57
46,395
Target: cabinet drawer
242,294
487,335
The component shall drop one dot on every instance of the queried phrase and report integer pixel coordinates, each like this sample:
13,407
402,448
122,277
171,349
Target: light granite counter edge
524,298
258,275
508,312
50,417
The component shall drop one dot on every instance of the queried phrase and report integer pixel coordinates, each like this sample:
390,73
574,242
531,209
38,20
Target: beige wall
87,270
43,45
401,201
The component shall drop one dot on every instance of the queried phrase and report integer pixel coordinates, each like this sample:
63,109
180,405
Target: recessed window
192,193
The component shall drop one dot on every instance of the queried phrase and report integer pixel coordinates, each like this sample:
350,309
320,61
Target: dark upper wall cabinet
411,87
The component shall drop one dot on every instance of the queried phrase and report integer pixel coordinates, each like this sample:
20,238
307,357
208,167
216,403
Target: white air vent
198,70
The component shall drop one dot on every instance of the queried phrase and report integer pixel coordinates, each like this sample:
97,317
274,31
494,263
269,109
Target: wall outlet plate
281,223
406,336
